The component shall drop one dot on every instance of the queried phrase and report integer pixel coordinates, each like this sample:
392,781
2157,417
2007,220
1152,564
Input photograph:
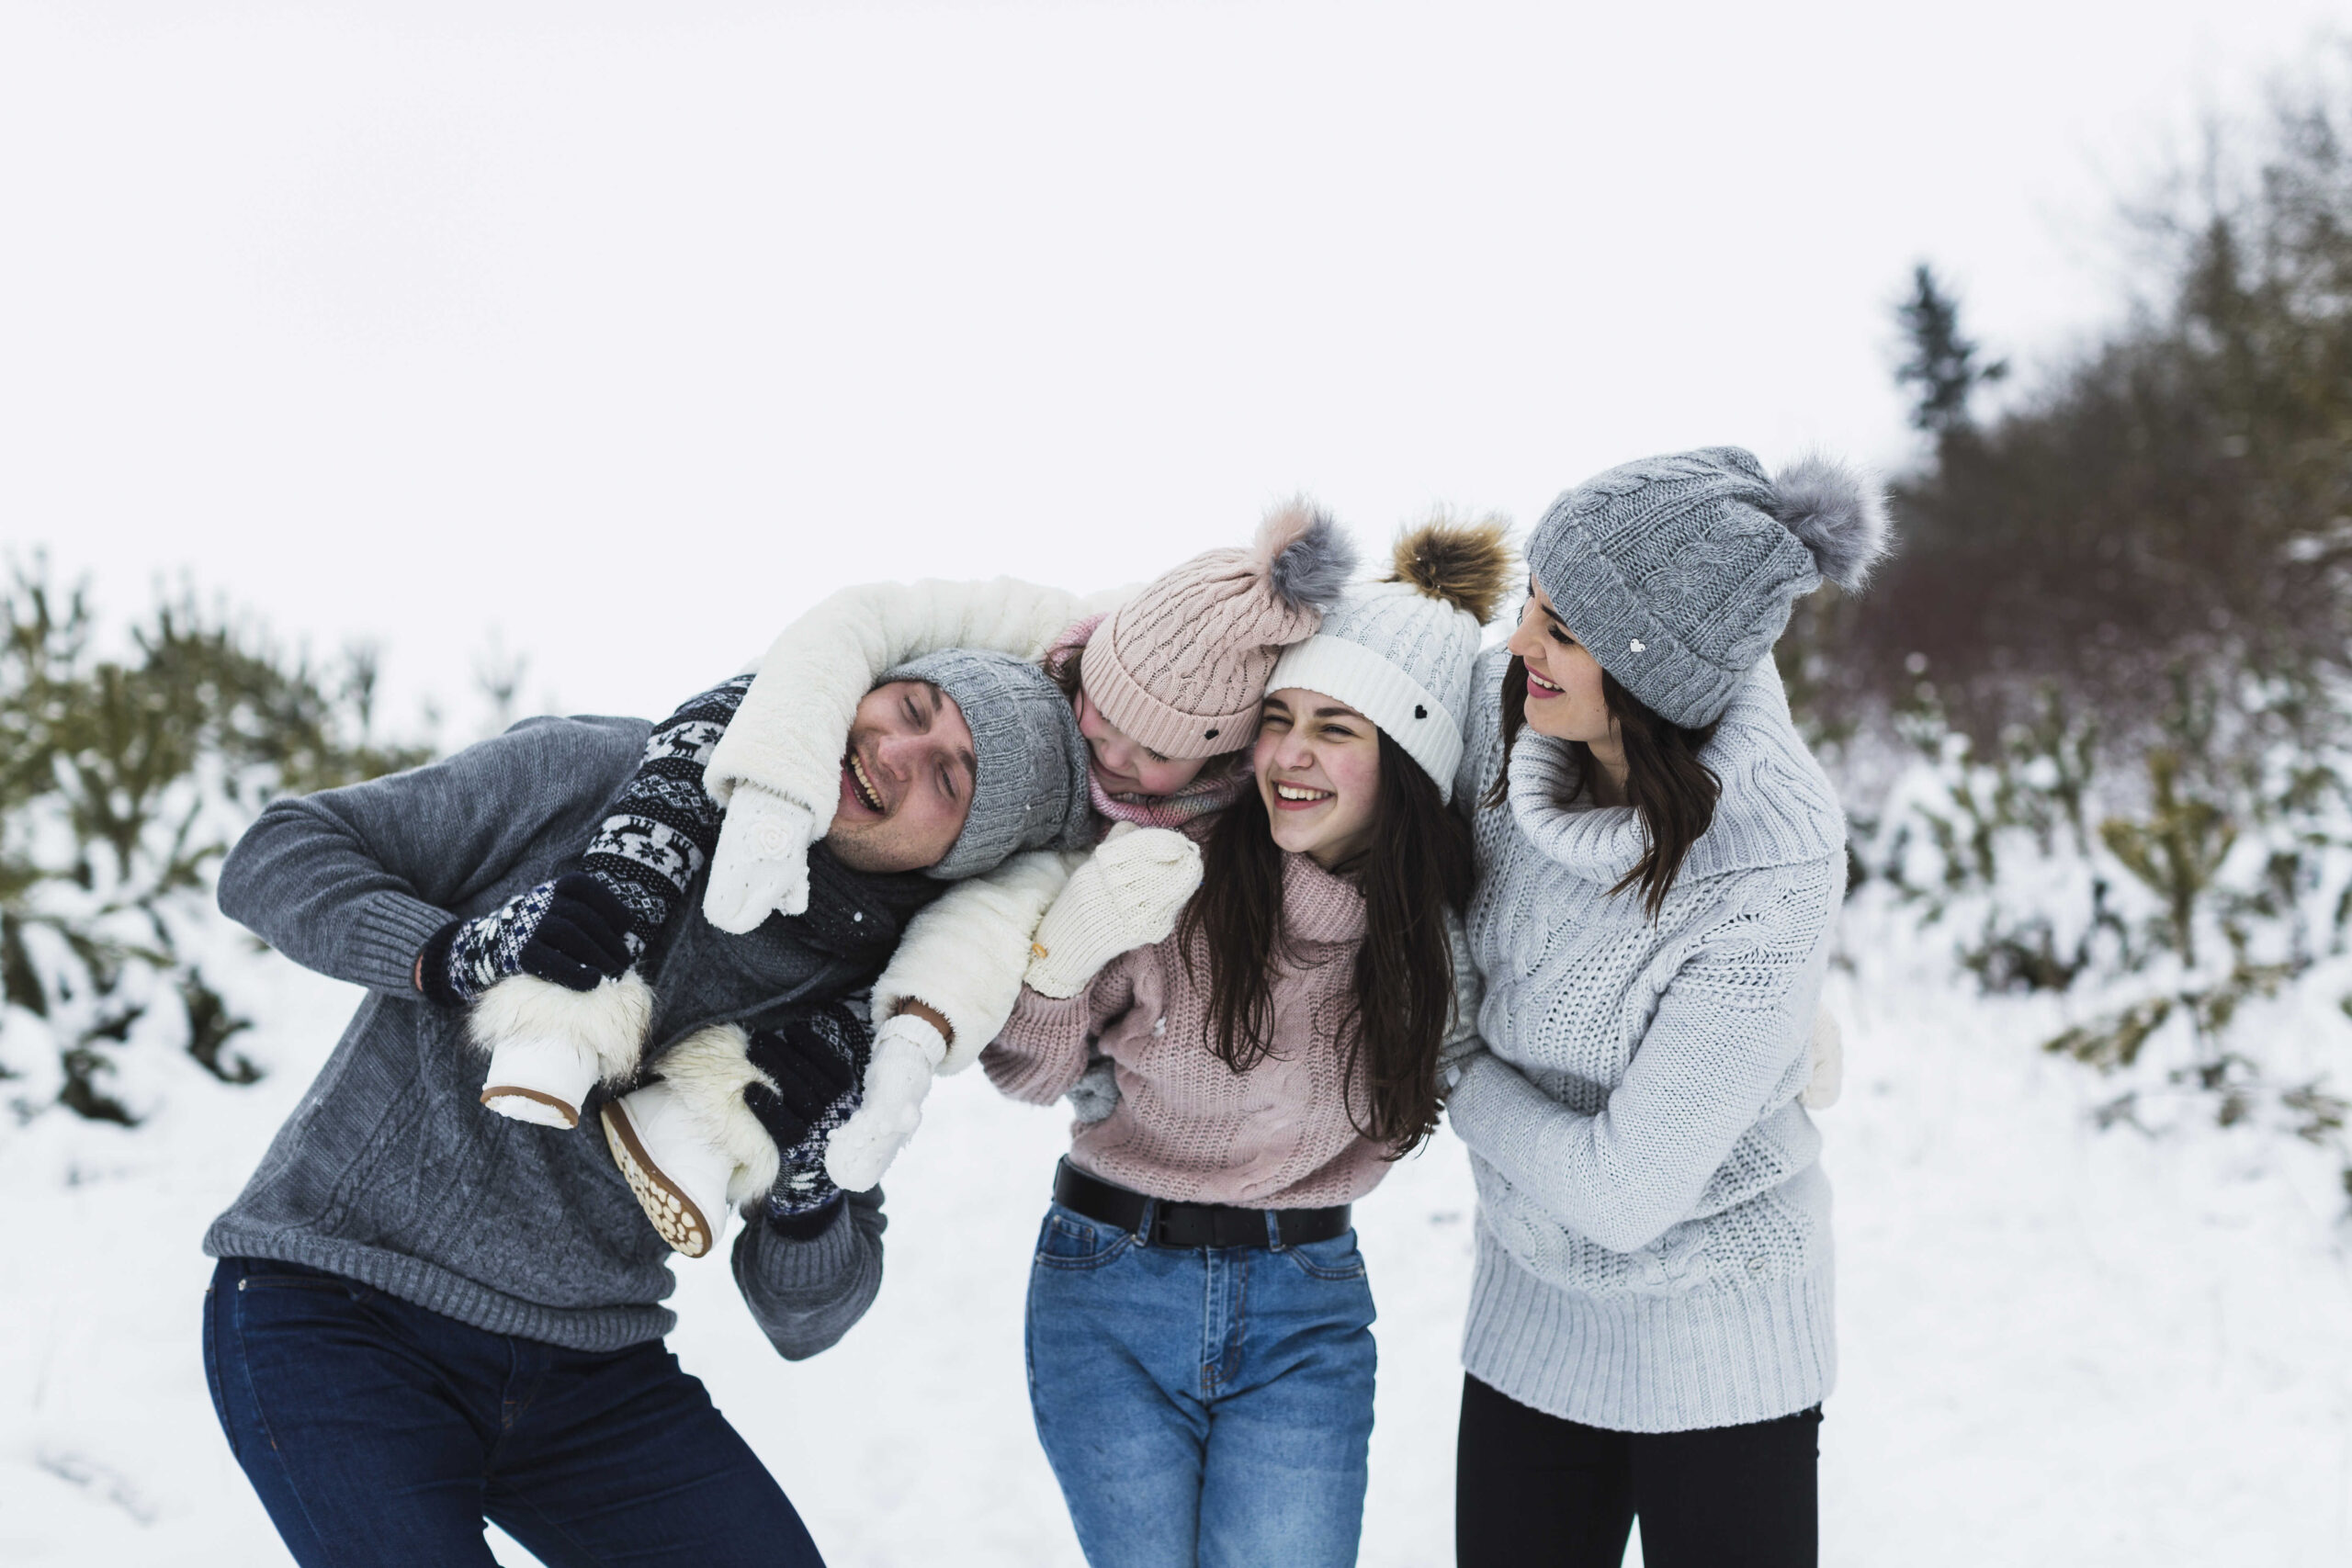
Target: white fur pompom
1835,513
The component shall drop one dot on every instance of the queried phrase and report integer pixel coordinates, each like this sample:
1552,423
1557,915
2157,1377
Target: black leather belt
1191,1224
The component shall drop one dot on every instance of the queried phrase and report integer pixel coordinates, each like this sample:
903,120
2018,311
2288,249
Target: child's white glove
1828,1059
907,1052
1126,896
761,865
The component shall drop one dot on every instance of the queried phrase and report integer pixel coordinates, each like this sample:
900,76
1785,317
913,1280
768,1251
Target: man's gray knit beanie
1031,761
1676,572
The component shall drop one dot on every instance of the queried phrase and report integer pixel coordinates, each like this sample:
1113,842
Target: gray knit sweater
1653,1250
390,1171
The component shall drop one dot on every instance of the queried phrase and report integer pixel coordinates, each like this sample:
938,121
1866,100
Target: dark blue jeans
380,1433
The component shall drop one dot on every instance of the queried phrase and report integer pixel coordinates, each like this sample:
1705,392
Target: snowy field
823,290
2060,1345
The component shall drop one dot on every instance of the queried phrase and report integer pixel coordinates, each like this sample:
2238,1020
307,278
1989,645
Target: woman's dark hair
1419,861
1671,790
1061,667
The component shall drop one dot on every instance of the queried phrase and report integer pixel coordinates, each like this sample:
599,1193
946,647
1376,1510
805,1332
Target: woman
1660,862
1200,1350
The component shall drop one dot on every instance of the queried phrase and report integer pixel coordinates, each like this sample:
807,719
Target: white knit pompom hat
1399,651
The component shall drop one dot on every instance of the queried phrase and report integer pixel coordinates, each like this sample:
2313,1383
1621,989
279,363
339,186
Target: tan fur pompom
1467,564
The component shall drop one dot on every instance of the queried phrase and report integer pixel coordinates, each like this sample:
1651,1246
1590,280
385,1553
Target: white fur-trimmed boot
550,1045
692,1151
679,1178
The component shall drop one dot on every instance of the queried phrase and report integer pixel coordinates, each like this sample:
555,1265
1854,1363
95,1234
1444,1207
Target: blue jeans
380,1433
1202,1408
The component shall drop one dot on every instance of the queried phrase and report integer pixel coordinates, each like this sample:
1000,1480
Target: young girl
1662,861
1165,691
1199,1327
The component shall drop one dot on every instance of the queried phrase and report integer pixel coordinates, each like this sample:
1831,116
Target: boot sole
671,1212
498,1092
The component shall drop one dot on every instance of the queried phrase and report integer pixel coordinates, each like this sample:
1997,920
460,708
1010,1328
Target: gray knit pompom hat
1030,792
1676,572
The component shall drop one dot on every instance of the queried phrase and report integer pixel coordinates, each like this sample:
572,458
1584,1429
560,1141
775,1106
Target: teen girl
1199,1324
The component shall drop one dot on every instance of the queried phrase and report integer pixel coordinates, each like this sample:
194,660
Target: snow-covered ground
2060,1345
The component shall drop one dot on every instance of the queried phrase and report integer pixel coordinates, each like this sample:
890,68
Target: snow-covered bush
122,781
2192,907
2112,655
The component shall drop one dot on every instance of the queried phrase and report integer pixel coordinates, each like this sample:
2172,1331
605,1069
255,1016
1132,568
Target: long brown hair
1402,996
1671,791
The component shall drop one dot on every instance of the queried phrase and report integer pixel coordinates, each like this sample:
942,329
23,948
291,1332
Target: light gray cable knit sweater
1653,1250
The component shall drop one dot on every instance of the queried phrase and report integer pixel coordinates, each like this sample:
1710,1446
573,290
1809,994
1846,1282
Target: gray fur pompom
1096,1093
1838,515
1305,557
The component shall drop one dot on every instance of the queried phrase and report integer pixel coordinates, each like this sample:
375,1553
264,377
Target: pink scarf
1219,785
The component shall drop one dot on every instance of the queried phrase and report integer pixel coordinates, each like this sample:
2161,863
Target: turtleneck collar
1317,906
1599,843
1777,806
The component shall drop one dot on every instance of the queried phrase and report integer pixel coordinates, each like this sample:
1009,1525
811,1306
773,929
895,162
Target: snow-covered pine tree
122,782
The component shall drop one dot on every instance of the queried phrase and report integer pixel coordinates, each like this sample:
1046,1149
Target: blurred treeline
2114,645
2094,717
2178,501
122,779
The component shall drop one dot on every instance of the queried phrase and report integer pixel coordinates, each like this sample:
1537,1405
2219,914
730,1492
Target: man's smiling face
907,778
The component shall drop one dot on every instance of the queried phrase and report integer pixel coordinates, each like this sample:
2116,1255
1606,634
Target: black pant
1533,1489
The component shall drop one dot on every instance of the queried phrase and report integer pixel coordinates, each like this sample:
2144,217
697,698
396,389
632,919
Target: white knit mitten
1828,1058
907,1053
761,865
1126,896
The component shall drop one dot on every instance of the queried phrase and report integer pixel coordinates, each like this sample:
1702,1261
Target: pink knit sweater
1188,1127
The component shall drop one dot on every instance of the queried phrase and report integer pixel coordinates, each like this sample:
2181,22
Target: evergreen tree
1942,365
122,782
2171,504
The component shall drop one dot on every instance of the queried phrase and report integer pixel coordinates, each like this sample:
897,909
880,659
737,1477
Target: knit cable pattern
1187,1127
1654,1227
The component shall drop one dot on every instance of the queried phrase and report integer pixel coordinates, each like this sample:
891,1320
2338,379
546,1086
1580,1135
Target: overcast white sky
625,331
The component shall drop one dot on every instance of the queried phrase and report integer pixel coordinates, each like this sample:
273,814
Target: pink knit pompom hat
1181,667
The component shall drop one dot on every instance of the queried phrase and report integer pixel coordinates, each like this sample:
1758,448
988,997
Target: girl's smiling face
1318,762
1563,696
1121,766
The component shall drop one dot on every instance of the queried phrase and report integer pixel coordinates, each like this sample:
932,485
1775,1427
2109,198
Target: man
425,1314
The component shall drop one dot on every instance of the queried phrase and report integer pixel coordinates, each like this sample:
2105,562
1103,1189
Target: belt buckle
1213,1226
1200,1228
1162,1218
